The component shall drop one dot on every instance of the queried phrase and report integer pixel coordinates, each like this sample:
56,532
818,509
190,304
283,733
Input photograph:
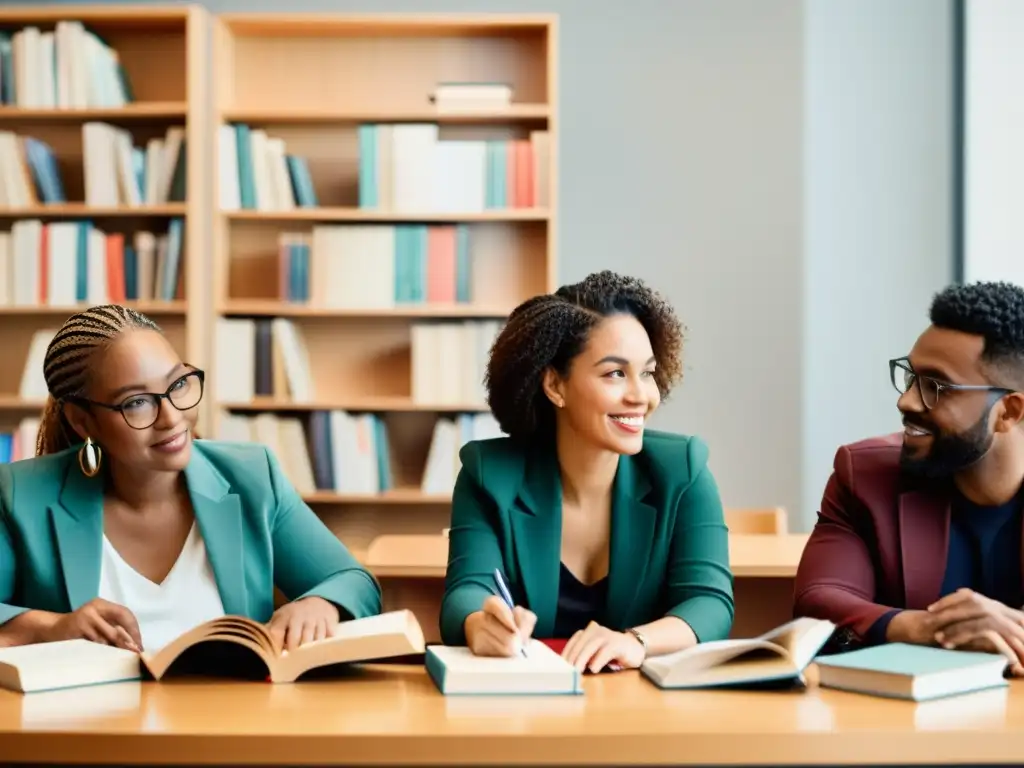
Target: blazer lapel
924,545
77,520
632,536
219,517
536,520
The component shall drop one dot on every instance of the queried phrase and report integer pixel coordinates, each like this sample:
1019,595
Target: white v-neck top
186,598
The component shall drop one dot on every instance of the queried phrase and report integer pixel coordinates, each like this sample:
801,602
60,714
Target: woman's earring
90,456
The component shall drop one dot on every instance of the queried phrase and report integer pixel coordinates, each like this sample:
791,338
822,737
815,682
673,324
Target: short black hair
550,330
992,310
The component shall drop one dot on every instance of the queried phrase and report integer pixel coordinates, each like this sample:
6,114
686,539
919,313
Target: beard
949,453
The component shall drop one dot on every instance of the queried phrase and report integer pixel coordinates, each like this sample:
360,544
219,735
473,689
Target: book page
234,629
387,635
539,658
706,655
801,638
395,622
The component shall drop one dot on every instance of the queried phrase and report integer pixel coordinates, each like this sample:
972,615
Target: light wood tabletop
380,715
426,556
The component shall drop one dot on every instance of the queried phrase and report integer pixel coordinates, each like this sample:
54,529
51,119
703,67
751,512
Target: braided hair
66,366
548,331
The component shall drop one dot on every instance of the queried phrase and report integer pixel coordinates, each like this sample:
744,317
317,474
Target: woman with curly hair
608,535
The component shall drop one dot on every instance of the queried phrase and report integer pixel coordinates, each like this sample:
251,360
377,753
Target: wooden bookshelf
346,97
162,84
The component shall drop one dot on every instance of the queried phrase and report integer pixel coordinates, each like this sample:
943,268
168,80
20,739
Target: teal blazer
257,531
669,543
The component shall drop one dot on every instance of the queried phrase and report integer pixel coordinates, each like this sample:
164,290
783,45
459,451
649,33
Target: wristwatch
639,638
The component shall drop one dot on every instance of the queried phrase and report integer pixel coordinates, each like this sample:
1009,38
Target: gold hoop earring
90,457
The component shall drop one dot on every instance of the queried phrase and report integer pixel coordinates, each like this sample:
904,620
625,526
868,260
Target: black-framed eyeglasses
904,377
142,409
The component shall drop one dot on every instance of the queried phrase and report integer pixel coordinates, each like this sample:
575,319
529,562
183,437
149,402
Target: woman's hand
99,621
303,620
497,631
596,647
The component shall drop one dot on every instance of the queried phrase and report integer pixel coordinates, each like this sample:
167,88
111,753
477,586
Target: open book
374,637
71,663
456,670
779,655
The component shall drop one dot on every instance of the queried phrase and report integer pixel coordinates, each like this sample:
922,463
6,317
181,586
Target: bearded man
919,536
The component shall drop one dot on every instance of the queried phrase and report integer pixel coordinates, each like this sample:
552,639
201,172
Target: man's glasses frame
930,388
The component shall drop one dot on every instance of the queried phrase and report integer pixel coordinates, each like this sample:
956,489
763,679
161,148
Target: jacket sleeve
836,577
699,581
474,551
8,555
309,560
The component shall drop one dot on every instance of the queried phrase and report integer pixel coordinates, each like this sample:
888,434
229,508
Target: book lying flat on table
80,662
455,670
775,657
914,672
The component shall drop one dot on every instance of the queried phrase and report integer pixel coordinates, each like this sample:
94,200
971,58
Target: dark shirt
983,556
578,603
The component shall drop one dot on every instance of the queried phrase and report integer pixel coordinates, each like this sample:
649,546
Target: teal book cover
915,672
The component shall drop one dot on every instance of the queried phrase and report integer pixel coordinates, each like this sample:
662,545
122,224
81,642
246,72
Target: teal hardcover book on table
457,671
914,672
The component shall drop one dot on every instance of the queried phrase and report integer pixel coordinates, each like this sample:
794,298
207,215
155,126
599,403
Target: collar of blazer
78,525
536,518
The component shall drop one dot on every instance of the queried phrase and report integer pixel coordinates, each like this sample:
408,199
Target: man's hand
971,621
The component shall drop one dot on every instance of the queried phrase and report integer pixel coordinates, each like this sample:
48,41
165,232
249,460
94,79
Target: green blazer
257,531
669,543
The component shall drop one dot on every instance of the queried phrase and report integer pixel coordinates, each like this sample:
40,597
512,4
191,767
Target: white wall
994,136
878,160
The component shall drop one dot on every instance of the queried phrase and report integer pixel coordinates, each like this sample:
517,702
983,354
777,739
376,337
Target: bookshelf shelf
370,215
516,112
10,403
84,211
154,308
104,118
357,288
156,110
366,405
395,497
271,308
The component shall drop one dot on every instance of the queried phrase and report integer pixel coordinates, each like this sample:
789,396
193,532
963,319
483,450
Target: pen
507,597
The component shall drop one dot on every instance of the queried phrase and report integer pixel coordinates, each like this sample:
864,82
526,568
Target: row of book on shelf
269,357
335,451
64,263
68,67
412,264
116,172
20,442
410,167
405,167
350,453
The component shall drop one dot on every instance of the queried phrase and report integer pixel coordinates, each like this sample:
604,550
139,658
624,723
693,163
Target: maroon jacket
880,541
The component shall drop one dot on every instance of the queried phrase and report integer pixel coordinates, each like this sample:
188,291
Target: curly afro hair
550,330
994,311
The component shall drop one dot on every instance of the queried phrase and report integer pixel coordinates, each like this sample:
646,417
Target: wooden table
394,715
411,570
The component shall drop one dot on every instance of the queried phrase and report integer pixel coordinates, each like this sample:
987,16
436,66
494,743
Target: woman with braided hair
126,530
609,536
